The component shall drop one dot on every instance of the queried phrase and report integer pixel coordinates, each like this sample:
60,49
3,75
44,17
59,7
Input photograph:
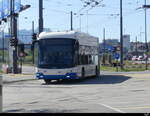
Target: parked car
140,58
134,58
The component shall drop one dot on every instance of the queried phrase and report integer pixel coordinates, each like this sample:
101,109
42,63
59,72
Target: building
111,42
109,45
6,43
126,42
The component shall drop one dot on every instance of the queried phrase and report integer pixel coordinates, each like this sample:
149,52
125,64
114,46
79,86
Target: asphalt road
109,94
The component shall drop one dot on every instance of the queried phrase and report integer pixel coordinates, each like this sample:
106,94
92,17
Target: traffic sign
7,36
116,56
5,8
1,16
17,6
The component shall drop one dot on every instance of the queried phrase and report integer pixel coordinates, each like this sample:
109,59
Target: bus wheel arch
47,81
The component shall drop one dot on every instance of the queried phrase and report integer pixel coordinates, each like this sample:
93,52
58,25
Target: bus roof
83,38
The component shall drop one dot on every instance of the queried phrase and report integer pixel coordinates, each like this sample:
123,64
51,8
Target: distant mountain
6,42
24,36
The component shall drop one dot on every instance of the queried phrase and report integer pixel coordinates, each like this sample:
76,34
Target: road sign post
117,56
1,86
10,9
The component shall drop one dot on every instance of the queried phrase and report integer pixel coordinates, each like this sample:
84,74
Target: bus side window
86,59
90,59
80,59
93,59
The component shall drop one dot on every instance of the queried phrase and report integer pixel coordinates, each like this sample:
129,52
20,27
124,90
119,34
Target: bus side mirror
76,45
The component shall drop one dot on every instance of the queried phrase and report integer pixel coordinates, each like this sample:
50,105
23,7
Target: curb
9,82
17,75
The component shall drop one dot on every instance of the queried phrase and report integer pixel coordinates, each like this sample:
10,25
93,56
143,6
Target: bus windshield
56,53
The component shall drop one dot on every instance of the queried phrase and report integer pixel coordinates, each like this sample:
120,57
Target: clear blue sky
57,17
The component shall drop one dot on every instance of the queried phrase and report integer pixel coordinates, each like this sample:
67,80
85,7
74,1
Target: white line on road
115,109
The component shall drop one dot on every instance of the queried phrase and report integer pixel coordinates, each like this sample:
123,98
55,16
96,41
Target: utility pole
13,31
104,41
136,46
33,42
146,61
1,93
41,22
121,36
71,21
3,59
104,45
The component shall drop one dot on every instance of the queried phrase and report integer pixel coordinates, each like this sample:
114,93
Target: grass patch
1,69
29,64
108,68
129,68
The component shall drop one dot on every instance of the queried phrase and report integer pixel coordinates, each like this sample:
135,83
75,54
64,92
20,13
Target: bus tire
83,73
47,81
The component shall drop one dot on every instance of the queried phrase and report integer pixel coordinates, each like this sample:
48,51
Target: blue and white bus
67,55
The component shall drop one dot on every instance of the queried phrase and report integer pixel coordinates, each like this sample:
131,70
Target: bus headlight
68,76
41,76
38,75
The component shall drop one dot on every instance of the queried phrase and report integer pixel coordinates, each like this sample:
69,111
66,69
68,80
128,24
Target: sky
93,21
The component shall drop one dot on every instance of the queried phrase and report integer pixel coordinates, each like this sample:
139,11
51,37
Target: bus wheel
47,81
83,73
96,71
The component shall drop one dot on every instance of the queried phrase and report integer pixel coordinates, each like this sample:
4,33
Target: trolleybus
67,55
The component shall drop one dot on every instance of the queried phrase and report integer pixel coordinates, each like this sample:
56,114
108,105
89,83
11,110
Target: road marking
147,107
115,109
138,75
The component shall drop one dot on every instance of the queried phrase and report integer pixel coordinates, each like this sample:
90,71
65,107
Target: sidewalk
11,78
28,74
118,73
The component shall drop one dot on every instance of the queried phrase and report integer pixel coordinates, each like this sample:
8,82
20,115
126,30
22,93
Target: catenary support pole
13,26
1,91
121,36
33,42
146,61
41,22
3,42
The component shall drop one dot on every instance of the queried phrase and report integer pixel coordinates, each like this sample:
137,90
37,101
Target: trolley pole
71,21
41,22
121,36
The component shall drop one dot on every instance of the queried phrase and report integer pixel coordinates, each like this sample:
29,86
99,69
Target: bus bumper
57,77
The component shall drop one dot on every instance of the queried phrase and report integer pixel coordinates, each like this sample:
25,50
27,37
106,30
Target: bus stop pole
1,93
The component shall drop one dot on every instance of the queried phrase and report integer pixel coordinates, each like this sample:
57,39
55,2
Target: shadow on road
104,79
